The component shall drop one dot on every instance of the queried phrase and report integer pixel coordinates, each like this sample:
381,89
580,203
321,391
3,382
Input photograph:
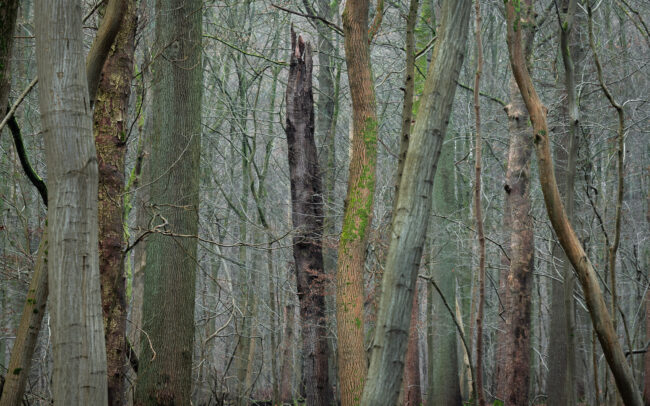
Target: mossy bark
357,216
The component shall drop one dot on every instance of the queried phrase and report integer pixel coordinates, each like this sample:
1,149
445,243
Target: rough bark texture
595,302
413,208
522,249
307,216
8,14
357,216
562,360
78,346
111,127
444,383
165,373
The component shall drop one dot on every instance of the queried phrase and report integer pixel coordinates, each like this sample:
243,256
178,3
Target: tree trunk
444,385
165,373
27,332
646,356
8,14
286,369
478,211
413,207
111,127
520,277
562,359
307,216
359,203
409,90
78,346
411,390
600,317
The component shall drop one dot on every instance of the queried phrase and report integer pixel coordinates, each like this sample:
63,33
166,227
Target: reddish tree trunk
110,127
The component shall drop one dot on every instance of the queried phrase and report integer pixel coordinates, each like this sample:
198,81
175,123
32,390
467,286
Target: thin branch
456,322
14,107
255,55
488,96
330,24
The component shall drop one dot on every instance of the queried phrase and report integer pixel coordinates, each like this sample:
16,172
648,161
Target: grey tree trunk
78,348
414,207
165,377
561,384
444,388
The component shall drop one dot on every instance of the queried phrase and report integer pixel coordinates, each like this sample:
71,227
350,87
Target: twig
453,316
330,24
14,107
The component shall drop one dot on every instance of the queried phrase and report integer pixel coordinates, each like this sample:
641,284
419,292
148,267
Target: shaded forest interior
315,202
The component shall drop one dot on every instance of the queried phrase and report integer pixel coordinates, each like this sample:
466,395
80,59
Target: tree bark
522,248
27,332
78,346
359,203
562,360
409,90
8,14
600,317
444,384
478,210
165,372
307,216
413,208
111,127
411,390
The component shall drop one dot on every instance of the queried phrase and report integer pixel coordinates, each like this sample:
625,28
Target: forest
324,202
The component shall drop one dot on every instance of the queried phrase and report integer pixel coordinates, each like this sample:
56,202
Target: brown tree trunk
27,332
411,390
595,302
307,216
111,127
359,204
